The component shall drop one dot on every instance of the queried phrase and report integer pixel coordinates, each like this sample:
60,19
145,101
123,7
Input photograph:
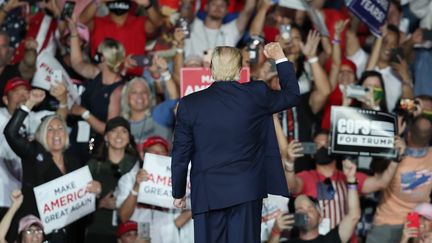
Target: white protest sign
157,190
294,4
46,65
65,199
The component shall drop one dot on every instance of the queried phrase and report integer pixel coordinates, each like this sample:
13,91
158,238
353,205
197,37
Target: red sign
196,79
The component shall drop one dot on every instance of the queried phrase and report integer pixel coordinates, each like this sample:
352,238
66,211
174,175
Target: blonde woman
101,98
43,159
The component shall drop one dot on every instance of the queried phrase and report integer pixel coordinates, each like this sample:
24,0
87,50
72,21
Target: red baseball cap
126,227
150,141
15,82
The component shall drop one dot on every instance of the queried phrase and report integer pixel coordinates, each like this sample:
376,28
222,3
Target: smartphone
68,10
253,50
143,60
285,31
356,92
309,147
57,77
395,54
427,35
413,220
300,220
143,230
184,25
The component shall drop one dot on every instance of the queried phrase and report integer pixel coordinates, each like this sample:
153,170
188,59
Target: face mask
378,94
428,114
322,157
119,7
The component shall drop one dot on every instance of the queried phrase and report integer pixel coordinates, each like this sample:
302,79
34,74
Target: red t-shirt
131,35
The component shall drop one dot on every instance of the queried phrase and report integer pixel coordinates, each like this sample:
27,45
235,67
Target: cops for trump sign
362,132
196,79
157,190
65,199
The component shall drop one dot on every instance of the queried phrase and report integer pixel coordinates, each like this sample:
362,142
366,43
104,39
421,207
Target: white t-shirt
393,86
10,163
203,38
162,227
360,59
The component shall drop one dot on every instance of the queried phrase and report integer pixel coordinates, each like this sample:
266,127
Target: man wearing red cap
16,93
127,232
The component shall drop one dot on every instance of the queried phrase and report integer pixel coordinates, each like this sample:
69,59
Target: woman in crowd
375,94
43,159
137,105
116,158
101,98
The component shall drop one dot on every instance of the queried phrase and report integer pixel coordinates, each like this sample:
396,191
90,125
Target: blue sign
372,12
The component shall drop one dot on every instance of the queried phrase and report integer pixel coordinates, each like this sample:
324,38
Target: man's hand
400,145
284,221
180,203
36,97
17,198
94,187
349,169
273,51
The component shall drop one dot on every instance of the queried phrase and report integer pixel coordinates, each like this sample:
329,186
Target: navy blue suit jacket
227,133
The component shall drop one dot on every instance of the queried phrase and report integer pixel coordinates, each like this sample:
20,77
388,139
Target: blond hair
42,130
226,63
113,53
125,107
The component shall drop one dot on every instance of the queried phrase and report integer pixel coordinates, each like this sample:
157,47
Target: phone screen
143,60
300,219
309,147
68,9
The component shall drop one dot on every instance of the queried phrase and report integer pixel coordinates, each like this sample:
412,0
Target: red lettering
150,177
161,179
46,208
69,198
55,204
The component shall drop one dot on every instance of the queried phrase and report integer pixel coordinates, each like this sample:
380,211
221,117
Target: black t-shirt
330,237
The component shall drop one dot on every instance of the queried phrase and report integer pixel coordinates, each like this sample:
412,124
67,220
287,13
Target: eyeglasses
329,185
33,231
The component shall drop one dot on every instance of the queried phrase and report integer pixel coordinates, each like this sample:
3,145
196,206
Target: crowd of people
116,100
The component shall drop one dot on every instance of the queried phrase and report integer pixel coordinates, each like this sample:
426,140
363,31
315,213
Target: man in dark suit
227,133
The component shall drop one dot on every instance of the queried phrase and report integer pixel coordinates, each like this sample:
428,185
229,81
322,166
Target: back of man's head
226,63
420,132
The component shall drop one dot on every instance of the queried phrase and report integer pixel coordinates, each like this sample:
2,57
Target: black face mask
322,157
119,7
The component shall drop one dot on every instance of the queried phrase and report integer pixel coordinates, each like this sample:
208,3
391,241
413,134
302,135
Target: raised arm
21,146
322,89
155,19
336,53
373,58
128,206
289,94
17,199
379,182
349,221
257,24
8,6
86,70
289,152
245,15
179,42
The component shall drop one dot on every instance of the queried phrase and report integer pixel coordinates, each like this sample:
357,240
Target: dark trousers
236,224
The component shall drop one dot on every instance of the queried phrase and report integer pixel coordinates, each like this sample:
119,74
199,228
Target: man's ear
5,100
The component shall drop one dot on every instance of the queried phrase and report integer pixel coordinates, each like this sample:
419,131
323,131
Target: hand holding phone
143,60
68,10
300,220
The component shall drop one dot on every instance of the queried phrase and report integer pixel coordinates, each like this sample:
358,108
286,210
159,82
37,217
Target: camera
356,92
